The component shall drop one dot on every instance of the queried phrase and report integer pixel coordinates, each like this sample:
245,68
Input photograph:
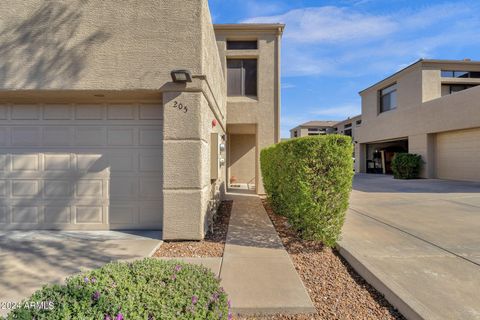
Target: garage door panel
26,112
26,136
457,155
57,112
65,167
57,214
121,112
25,214
4,214
4,136
89,214
57,162
57,189
57,136
121,136
90,136
124,188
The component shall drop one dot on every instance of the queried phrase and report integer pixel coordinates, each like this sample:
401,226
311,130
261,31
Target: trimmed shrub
309,180
147,289
406,165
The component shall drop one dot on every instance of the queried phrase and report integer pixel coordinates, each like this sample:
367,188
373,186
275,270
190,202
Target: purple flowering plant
146,289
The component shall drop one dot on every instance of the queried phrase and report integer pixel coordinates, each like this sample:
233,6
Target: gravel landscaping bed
336,290
213,244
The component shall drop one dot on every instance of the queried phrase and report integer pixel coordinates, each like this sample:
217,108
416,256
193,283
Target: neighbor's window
242,45
313,129
242,77
348,125
460,74
388,98
358,123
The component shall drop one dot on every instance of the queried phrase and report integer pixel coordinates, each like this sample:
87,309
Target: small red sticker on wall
214,122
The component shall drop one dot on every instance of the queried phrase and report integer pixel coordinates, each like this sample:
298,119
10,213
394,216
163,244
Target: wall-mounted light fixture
181,76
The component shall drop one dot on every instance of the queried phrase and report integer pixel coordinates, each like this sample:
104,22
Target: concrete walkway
257,271
418,242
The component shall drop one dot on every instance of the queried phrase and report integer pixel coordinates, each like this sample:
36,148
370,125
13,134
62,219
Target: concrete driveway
30,259
418,242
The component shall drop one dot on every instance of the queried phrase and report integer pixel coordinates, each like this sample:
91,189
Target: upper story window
388,98
242,77
348,125
242,45
460,74
358,123
313,129
452,88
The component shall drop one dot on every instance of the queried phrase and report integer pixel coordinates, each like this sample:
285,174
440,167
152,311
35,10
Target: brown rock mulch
336,290
213,244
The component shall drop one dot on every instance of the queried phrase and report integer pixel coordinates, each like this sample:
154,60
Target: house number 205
180,106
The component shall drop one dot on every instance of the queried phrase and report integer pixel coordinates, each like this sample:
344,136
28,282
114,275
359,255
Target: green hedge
309,181
406,166
149,289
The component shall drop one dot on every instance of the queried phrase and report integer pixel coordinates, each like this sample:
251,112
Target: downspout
279,88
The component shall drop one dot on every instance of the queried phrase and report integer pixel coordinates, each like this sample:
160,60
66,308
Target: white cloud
330,24
348,42
339,113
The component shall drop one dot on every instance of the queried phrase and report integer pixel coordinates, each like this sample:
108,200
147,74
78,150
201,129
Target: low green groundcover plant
148,289
406,166
309,180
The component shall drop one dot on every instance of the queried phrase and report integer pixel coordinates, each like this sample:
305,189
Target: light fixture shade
181,76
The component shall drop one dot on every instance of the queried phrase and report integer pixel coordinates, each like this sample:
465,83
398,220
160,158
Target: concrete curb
160,242
404,302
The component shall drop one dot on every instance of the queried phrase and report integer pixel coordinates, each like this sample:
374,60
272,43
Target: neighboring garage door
81,167
458,155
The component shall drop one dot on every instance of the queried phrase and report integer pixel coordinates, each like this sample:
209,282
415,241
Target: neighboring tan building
431,108
96,135
348,127
313,128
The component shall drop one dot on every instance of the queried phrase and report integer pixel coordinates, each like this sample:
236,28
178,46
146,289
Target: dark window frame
459,86
392,92
460,74
242,45
246,89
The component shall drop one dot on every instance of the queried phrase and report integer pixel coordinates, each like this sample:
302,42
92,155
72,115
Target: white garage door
81,167
458,155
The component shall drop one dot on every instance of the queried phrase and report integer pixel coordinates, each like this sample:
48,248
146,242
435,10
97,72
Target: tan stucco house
347,127
431,108
95,134
313,128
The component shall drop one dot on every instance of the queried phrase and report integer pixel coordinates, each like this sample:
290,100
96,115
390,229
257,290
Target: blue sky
333,49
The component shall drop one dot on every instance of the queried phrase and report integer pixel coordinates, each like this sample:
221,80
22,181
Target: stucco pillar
360,157
182,166
423,144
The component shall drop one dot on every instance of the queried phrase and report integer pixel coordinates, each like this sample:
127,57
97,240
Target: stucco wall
242,155
452,112
264,110
97,44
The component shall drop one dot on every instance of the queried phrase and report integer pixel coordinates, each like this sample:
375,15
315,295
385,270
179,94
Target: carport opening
380,155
